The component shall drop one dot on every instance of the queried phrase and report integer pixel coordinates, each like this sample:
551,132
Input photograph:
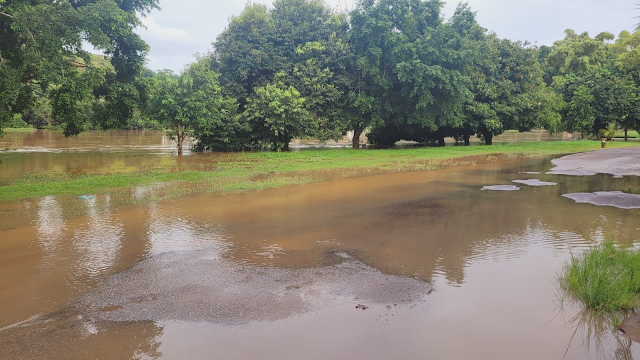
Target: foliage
41,55
598,79
17,122
396,69
609,133
604,278
193,101
294,52
277,114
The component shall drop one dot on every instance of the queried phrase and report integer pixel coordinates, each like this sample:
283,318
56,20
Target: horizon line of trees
395,68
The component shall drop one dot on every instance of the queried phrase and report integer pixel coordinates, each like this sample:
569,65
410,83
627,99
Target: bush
17,122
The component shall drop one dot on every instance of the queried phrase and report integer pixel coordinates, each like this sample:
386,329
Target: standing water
413,265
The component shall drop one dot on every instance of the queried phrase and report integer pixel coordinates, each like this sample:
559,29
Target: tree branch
5,14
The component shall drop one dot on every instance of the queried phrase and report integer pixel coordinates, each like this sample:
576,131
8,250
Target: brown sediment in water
488,254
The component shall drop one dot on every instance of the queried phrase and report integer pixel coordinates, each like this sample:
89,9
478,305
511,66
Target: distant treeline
395,68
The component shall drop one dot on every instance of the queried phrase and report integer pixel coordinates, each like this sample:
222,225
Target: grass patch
236,172
604,279
631,134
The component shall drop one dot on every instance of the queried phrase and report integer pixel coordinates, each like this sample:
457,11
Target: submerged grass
605,279
262,170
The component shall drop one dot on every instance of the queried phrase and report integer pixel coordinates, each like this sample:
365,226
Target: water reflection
170,230
99,240
597,333
491,255
50,224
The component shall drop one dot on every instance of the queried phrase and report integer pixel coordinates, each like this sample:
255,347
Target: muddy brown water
99,152
444,269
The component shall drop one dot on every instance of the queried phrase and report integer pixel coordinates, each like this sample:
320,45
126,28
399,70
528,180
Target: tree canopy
41,55
395,69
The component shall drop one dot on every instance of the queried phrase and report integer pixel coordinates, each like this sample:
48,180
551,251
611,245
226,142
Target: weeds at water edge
605,279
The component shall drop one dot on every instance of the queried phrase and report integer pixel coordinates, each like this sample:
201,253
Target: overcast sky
184,27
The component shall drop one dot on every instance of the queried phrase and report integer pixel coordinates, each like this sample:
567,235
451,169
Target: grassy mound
605,278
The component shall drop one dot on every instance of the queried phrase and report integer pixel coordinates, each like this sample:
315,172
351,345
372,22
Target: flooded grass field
415,265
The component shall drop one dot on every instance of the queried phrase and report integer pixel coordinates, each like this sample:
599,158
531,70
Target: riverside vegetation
398,70
605,278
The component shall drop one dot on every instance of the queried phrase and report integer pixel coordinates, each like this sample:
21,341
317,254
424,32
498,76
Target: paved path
617,162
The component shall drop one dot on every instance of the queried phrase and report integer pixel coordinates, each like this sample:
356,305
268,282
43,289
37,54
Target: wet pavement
617,199
414,265
616,162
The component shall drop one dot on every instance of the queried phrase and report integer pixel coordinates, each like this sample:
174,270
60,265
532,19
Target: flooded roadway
437,267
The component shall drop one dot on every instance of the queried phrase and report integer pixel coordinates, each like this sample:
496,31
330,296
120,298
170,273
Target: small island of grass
606,278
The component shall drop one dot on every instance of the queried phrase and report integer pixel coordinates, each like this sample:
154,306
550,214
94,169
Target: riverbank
237,172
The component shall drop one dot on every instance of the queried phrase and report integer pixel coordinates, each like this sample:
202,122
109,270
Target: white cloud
153,29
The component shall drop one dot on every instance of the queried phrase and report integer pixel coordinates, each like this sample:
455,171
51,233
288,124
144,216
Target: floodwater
421,265
99,152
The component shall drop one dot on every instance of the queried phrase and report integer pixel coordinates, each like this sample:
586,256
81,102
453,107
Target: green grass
262,170
631,134
605,278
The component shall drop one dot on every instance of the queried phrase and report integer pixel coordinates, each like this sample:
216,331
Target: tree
193,104
412,66
580,115
600,75
298,44
278,113
507,86
577,54
41,55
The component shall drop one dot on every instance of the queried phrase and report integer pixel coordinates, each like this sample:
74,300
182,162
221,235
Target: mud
201,287
617,199
630,328
501,188
535,182
617,162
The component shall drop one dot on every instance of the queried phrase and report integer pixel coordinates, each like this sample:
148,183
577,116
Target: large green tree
42,55
297,44
598,79
278,113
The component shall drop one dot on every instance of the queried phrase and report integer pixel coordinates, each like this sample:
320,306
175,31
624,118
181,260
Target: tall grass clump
605,278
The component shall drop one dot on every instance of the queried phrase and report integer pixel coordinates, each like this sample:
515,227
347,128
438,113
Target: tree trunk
441,141
626,135
286,139
356,138
466,139
488,138
179,139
